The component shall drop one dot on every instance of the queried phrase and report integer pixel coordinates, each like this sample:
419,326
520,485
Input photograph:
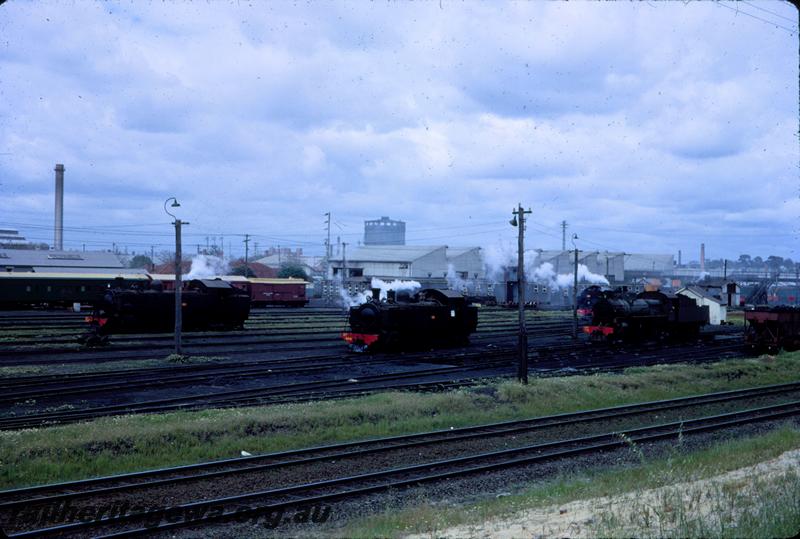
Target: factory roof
453,252
648,262
390,253
59,259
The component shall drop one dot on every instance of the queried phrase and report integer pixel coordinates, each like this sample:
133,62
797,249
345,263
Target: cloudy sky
647,126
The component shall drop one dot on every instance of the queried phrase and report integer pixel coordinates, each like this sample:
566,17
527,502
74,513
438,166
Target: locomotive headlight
452,313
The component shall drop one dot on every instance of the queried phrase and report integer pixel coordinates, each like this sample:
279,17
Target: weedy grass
76,367
135,442
759,513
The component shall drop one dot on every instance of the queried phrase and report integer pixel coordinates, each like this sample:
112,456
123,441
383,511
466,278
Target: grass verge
751,513
127,443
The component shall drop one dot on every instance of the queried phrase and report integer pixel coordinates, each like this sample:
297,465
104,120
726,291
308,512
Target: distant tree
165,257
745,260
292,270
758,261
789,264
774,262
141,261
240,270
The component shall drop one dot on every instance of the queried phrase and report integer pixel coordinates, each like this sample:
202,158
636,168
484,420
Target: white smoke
544,273
454,282
362,297
207,266
497,257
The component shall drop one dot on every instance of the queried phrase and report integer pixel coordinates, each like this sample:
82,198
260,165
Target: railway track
181,487
474,367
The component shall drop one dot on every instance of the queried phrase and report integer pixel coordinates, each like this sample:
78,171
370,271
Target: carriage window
49,288
28,288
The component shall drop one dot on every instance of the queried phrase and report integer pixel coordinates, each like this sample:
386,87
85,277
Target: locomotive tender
429,317
206,304
649,314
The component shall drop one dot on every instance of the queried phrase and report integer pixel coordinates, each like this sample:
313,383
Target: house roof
390,253
59,259
699,292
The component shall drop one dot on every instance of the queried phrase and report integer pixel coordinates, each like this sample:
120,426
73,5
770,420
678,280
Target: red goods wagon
263,292
772,328
288,292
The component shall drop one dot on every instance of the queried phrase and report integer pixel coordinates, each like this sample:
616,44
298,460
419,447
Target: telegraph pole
178,286
519,221
326,281
563,235
344,263
575,292
246,255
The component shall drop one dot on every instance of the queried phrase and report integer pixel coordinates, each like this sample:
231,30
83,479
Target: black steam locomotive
649,315
206,304
430,317
772,328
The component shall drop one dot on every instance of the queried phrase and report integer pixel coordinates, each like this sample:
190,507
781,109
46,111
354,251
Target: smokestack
679,257
702,257
58,240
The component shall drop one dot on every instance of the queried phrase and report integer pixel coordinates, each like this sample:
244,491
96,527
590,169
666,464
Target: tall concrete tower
58,239
384,231
702,257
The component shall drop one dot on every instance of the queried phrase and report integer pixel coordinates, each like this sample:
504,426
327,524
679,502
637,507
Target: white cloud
658,122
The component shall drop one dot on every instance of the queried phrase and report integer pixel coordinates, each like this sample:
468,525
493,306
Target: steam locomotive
649,315
430,317
206,304
772,328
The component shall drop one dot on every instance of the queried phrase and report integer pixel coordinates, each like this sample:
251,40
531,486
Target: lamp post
178,273
522,365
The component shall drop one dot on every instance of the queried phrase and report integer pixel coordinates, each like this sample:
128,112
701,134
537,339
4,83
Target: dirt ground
584,518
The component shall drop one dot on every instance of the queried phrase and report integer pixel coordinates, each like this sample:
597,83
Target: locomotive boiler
206,304
430,317
649,315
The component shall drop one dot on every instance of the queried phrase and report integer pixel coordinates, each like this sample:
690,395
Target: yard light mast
178,273
575,291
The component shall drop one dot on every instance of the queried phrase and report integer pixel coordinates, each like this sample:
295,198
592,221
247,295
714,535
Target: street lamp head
513,221
174,204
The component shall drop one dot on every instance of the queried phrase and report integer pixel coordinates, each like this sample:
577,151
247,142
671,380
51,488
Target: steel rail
368,446
361,484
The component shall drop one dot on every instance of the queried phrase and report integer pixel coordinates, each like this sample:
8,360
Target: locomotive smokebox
376,294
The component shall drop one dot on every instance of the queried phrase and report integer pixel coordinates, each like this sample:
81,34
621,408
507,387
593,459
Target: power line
768,11
737,10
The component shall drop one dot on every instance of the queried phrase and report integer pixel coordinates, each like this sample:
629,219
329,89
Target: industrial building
466,263
393,262
384,231
10,237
